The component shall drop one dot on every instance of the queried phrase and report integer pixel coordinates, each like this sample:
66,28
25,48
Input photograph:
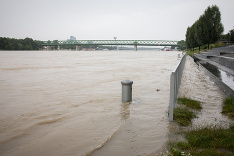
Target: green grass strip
212,138
228,107
183,116
206,141
190,103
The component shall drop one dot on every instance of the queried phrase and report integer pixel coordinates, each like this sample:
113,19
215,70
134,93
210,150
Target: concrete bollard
126,90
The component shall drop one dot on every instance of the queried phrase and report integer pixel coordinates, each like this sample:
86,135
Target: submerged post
172,96
126,90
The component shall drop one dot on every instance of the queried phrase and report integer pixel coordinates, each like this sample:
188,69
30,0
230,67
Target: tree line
206,30
18,44
30,44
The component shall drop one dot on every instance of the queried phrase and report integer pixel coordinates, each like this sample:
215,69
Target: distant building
72,38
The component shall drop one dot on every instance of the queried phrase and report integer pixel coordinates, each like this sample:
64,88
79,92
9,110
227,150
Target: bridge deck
111,42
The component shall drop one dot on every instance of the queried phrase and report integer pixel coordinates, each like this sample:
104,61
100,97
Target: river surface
69,102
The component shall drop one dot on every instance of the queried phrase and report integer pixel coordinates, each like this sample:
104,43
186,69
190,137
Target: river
69,102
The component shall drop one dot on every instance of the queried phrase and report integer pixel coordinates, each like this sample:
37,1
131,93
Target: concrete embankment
197,85
223,59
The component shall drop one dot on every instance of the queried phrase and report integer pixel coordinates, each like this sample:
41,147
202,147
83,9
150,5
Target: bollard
126,90
178,55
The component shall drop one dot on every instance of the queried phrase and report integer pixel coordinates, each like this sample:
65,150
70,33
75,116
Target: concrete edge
223,87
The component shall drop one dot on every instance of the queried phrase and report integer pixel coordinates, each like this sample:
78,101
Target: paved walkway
195,84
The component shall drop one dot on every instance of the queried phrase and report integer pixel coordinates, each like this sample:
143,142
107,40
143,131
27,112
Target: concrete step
210,53
228,54
229,48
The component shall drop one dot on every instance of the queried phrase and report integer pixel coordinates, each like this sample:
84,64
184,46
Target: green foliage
183,116
190,37
183,145
191,52
229,37
214,24
219,44
205,48
190,103
206,141
209,140
210,137
228,107
206,30
18,44
182,45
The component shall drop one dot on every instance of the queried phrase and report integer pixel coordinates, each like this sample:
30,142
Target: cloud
104,19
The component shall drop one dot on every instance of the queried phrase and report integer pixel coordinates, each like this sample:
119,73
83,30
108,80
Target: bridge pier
135,47
77,48
49,48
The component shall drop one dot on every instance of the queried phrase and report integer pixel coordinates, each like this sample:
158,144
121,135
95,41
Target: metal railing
176,76
111,42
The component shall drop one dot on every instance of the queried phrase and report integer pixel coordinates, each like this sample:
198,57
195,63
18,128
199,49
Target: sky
105,19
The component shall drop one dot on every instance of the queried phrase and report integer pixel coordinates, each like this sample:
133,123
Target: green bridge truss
111,42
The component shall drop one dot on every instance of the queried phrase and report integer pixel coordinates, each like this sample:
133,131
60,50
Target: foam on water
195,84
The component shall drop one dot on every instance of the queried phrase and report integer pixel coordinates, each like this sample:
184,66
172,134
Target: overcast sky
105,19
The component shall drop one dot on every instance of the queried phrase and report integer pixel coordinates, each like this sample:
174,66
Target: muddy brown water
69,103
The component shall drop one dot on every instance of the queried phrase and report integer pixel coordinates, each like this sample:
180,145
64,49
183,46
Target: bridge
135,43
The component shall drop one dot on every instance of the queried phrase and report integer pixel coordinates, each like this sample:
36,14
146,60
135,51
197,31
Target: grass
183,116
228,107
206,141
190,103
205,48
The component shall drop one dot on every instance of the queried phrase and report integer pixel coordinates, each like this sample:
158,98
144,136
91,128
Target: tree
182,44
206,30
199,27
213,28
18,44
191,37
187,37
231,36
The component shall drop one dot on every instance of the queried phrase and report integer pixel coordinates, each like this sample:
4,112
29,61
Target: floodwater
227,78
69,102
224,76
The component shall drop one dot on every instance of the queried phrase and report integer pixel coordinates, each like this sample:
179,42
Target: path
195,84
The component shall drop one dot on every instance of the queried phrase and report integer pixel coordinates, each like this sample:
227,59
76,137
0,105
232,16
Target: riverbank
197,85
